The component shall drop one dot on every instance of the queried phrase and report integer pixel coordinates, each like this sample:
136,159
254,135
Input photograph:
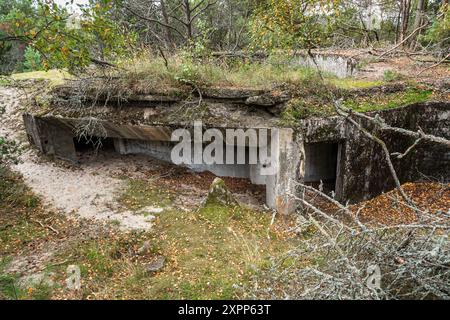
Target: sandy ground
87,191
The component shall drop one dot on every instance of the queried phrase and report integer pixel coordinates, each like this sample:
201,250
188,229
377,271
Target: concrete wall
54,136
50,138
362,169
340,66
162,150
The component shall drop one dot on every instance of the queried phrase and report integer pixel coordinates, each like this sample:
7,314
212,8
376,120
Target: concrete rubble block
267,99
219,194
156,265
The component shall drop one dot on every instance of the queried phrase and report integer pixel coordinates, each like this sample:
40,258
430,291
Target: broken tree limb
347,211
434,65
45,226
404,154
404,40
387,156
385,127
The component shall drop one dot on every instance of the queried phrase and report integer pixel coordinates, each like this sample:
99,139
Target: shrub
32,60
391,75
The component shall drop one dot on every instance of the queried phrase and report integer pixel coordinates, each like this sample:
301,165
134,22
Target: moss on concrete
55,77
388,101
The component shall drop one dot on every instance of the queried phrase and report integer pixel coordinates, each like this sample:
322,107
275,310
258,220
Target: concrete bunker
327,149
57,137
85,144
338,65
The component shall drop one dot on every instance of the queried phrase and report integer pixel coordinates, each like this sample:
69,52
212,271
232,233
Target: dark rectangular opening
83,144
321,164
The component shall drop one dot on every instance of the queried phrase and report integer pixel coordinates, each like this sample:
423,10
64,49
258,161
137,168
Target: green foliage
4,81
11,53
188,72
32,60
63,44
147,73
439,32
391,75
12,289
293,24
9,150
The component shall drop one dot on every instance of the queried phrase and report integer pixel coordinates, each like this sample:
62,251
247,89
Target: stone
219,193
156,264
144,249
37,279
267,99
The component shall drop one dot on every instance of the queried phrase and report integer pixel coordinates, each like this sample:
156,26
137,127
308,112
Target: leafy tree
439,32
293,23
96,38
32,60
11,53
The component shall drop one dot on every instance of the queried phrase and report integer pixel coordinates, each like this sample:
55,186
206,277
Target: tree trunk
168,32
419,21
404,13
188,23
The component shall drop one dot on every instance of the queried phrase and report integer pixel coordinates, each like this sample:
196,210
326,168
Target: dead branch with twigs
353,259
340,260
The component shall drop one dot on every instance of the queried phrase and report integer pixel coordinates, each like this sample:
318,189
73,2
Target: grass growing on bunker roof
148,73
319,102
55,77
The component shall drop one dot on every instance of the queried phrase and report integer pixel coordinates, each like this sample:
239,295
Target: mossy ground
210,255
141,193
212,252
55,77
352,83
20,210
321,104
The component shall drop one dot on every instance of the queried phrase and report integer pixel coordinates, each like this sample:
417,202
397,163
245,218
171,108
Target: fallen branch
419,134
404,40
46,226
402,155
434,65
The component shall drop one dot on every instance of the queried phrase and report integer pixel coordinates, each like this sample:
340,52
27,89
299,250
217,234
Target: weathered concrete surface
55,136
362,171
49,137
338,65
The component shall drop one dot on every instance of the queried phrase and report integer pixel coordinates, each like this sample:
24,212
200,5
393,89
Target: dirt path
88,191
